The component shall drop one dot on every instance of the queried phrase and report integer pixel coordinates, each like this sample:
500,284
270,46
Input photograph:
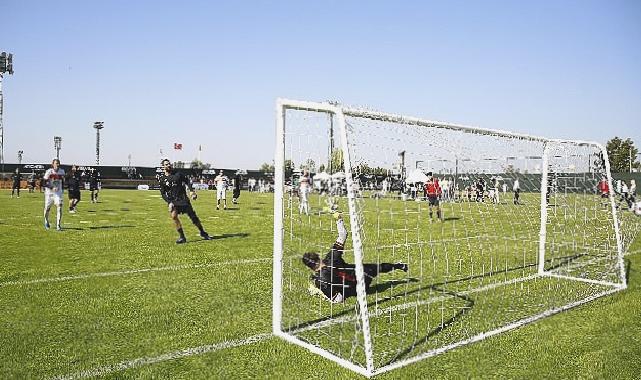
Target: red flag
178,146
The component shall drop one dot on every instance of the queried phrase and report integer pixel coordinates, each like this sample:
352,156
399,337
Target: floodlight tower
57,145
20,152
98,125
6,66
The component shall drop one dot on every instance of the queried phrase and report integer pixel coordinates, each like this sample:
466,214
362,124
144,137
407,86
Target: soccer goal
518,232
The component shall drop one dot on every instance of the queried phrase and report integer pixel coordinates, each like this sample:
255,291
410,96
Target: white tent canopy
322,176
416,176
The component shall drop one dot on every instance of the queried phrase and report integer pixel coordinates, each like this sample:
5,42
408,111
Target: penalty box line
132,271
135,363
136,271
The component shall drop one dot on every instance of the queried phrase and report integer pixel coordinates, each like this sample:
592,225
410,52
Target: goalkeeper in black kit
173,187
336,279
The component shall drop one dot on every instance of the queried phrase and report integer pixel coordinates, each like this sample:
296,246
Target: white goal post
515,231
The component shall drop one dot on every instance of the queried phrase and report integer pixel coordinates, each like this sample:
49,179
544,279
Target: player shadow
98,227
451,218
218,237
227,236
233,208
255,208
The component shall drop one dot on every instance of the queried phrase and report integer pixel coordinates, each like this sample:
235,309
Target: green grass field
112,296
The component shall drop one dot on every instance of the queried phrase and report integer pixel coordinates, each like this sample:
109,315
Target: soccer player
302,193
495,198
173,187
336,279
480,190
236,194
517,190
16,177
604,188
550,186
433,192
73,185
221,181
53,184
93,185
32,182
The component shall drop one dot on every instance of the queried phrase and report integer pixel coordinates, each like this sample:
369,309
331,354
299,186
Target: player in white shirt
495,199
221,182
53,183
303,190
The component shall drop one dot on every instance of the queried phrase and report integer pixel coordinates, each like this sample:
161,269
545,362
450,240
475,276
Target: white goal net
497,230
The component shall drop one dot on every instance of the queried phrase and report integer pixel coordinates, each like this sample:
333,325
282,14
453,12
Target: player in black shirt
236,194
73,184
16,177
335,278
93,185
172,189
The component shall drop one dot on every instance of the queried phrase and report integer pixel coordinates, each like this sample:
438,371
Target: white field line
134,363
132,271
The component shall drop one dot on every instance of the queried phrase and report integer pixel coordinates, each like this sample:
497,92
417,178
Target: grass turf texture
209,292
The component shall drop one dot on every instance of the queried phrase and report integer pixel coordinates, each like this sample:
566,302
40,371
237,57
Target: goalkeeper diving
335,279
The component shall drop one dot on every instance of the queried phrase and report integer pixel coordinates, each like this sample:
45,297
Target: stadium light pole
20,152
6,66
57,145
98,125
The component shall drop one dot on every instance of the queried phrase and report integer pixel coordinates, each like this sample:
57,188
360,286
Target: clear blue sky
208,73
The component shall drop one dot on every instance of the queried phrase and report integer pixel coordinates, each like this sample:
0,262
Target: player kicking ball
173,187
53,192
335,279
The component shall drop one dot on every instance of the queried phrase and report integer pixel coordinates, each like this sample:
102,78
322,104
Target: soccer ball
636,208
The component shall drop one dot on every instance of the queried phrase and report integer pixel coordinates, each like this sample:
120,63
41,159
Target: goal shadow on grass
440,287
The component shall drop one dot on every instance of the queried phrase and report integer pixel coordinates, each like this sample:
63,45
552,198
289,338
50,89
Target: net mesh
473,255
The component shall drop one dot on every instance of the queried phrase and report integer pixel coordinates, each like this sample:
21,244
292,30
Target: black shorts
74,194
184,209
433,201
